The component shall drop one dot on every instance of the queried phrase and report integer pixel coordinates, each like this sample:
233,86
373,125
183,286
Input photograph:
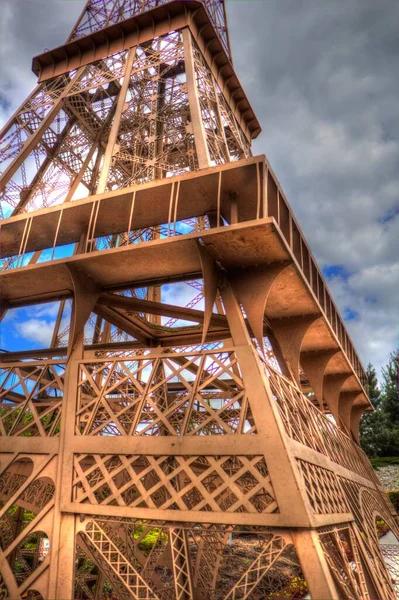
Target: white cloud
371,293
320,78
44,310
36,330
26,28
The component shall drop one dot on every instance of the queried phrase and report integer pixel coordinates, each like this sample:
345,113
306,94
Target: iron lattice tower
191,430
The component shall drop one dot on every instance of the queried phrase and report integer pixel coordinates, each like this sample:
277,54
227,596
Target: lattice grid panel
31,400
323,490
342,555
306,424
193,394
203,483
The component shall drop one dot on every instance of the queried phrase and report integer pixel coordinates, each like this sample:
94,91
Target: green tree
379,431
372,386
372,421
390,396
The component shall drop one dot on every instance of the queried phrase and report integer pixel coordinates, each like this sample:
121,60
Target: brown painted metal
170,451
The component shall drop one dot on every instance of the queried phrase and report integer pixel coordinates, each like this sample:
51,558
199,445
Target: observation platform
253,227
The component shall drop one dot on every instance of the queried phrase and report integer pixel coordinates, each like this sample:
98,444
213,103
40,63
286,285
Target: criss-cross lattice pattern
269,554
193,394
10,482
28,556
204,483
102,13
237,143
366,504
72,115
88,555
147,547
155,138
86,576
209,543
306,424
34,497
118,563
342,554
31,399
323,489
210,111
170,558
30,115
181,564
99,74
192,428
26,501
390,553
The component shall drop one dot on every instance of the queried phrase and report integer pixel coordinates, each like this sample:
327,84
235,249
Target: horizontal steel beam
234,247
159,308
163,202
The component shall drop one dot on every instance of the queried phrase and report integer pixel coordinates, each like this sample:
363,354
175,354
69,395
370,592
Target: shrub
382,528
298,588
147,542
384,461
394,498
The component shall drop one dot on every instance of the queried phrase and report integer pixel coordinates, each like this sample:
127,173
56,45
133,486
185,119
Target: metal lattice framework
190,429
98,14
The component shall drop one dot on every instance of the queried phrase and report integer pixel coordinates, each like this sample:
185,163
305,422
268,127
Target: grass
384,461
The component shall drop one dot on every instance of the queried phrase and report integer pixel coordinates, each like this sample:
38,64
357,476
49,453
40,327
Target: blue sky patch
331,271
350,314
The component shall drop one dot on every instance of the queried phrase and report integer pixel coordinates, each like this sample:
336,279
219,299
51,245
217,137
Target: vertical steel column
62,564
193,99
286,482
115,125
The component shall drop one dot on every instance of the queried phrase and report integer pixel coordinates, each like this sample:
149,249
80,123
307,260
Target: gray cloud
323,80
27,27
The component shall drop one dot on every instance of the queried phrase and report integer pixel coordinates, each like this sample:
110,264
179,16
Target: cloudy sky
323,78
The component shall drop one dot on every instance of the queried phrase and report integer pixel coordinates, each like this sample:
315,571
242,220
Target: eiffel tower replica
190,432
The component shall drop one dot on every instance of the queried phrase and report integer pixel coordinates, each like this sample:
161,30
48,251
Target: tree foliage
379,431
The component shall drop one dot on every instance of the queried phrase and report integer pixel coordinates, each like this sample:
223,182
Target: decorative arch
14,476
38,493
34,595
29,555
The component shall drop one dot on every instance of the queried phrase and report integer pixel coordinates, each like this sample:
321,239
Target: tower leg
64,531
62,586
314,565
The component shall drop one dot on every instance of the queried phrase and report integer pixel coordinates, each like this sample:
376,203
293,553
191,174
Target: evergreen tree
371,421
379,431
372,386
390,399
